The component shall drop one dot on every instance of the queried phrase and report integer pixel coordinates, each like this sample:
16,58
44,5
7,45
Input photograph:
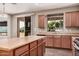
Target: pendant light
3,14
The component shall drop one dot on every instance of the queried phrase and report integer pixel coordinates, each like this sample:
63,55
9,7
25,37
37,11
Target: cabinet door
49,41
41,21
66,41
67,19
43,47
33,52
40,50
73,19
57,41
77,17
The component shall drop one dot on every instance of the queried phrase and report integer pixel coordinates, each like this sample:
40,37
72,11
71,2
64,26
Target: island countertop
12,43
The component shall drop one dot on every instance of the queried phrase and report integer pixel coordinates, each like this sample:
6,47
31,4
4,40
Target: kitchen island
24,46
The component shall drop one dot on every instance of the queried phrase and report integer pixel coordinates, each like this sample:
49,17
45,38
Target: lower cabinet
33,52
33,48
66,41
43,47
59,41
37,49
40,50
22,50
49,41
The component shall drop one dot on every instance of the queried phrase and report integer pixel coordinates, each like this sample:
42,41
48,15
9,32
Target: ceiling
15,8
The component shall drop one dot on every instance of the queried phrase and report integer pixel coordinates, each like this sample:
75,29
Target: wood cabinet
57,41
40,50
22,50
72,19
49,41
41,47
33,44
66,41
68,19
33,52
33,48
41,21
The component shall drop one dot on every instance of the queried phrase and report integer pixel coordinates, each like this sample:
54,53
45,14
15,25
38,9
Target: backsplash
73,30
66,30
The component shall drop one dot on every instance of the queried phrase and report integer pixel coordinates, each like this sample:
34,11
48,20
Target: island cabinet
41,47
66,41
20,51
33,48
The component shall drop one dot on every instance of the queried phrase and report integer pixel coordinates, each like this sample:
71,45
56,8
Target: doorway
23,26
27,26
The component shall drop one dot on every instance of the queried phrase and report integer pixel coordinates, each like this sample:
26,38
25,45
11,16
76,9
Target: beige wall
34,19
14,23
9,26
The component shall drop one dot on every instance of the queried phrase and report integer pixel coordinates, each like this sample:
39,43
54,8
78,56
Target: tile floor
57,52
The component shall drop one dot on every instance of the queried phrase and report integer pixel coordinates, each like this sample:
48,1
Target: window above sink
55,22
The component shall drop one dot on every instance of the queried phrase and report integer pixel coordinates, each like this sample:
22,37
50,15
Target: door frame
18,20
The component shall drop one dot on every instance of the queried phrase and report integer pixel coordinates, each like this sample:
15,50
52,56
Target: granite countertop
11,43
57,33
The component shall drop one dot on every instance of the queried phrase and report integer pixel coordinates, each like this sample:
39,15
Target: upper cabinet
41,21
72,19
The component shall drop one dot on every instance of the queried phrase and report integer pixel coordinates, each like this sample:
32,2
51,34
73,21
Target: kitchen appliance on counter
75,43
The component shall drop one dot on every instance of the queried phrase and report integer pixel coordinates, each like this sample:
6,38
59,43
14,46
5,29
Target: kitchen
51,29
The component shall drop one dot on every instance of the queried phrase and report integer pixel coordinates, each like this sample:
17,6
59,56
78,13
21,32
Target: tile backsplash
73,30
66,30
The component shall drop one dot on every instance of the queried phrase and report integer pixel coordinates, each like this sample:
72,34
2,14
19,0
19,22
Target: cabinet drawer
33,44
40,41
21,50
